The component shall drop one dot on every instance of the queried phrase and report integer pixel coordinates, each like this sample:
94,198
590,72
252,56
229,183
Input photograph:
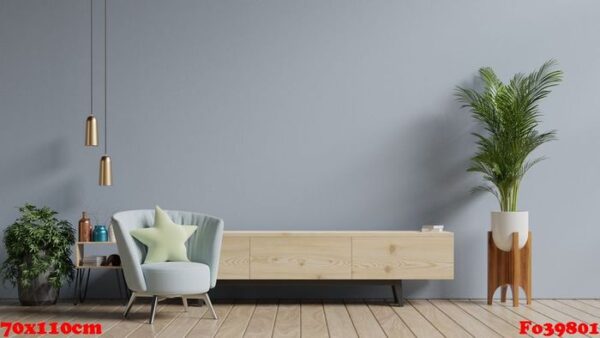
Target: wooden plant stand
512,268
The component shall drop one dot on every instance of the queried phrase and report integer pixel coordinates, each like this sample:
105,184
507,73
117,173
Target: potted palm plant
39,255
509,115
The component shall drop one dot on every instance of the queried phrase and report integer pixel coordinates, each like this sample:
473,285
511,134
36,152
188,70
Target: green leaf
37,243
510,117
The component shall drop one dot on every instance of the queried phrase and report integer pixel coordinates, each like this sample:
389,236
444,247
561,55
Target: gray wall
303,115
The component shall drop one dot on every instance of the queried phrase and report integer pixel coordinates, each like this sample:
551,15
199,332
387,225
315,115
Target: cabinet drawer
235,258
300,258
411,257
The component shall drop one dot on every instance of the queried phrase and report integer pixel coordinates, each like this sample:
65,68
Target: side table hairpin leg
80,291
76,288
87,282
512,268
81,288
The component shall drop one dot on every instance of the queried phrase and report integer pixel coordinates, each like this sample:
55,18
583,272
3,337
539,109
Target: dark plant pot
39,292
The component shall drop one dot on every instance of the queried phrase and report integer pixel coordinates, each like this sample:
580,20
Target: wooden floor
418,318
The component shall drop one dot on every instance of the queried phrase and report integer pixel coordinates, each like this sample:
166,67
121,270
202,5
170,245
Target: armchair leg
185,304
129,304
209,304
153,309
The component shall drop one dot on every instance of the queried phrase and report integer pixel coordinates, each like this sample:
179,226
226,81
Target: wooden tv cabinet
383,257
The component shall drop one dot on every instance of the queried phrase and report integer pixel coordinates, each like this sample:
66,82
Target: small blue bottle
100,233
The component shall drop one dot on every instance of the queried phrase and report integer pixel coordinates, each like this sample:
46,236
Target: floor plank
418,324
12,311
512,317
43,313
184,322
502,312
464,319
237,321
549,312
589,309
574,313
491,320
287,323
82,313
418,318
389,321
59,313
32,313
207,326
136,318
364,321
527,312
165,314
439,319
107,316
312,320
262,321
592,302
338,321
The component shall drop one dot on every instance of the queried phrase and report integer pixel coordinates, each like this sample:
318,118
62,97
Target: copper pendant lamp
91,125
105,178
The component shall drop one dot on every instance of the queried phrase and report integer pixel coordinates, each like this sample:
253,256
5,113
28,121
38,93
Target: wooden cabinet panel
235,258
410,256
361,255
300,258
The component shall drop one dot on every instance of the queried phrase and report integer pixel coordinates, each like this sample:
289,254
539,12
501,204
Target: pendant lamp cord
105,78
91,57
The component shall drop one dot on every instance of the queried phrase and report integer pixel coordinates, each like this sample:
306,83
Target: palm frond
529,164
510,117
486,188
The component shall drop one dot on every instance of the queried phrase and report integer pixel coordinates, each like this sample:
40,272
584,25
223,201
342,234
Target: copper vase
85,228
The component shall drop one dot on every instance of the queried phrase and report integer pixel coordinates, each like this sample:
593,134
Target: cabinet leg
398,296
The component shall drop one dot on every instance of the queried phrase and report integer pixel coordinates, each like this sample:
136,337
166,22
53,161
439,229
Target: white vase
504,223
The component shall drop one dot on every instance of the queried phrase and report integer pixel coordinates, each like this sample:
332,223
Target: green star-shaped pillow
165,240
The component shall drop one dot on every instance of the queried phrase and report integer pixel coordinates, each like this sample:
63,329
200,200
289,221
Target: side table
80,291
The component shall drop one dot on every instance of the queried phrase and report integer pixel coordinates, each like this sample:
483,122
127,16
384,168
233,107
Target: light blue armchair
187,280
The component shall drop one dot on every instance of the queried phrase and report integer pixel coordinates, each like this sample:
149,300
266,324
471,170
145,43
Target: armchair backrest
204,246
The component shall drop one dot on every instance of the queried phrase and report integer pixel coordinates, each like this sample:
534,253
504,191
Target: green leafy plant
38,243
510,116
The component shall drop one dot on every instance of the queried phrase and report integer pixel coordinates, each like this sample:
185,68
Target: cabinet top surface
337,233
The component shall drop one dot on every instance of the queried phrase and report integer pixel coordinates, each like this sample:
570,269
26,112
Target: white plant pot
504,223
